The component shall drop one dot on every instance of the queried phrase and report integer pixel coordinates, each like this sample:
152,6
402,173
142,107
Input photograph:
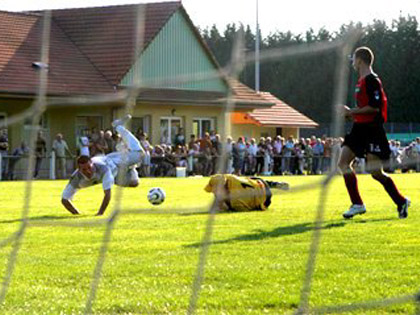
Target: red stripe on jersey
362,99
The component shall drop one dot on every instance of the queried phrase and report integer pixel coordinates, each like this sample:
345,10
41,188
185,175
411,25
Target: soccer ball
156,196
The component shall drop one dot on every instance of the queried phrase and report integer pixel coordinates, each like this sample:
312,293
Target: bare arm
105,202
347,112
71,154
364,110
68,151
69,206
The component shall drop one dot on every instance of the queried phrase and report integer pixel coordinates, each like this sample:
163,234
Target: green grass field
256,262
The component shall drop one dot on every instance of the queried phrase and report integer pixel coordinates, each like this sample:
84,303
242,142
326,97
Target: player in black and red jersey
367,138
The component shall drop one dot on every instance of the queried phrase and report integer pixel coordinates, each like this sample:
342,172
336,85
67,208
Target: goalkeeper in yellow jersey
242,194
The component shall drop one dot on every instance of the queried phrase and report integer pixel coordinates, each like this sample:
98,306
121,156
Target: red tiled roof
91,48
20,45
280,115
189,96
245,93
106,35
199,98
242,95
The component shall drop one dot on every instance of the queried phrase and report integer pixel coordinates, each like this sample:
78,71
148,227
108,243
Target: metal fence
15,167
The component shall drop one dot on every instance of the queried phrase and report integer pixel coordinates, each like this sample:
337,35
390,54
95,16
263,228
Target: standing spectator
83,143
192,141
229,155
326,160
313,141
179,138
216,153
318,150
277,151
299,161
235,158
93,135
240,152
110,142
60,147
288,149
192,160
252,156
16,156
139,133
40,152
4,147
213,137
309,155
268,157
145,166
205,150
99,145
193,151
301,155
260,156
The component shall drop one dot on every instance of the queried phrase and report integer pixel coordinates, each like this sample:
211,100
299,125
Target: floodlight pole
257,55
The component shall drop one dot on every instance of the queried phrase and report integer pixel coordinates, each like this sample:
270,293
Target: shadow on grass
41,218
290,230
205,212
361,221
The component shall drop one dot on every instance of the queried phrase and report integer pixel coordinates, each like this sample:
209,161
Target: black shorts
268,193
368,138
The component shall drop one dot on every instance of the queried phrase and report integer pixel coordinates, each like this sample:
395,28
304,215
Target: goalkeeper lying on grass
242,194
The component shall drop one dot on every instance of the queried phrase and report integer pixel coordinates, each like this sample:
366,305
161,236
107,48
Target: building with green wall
99,62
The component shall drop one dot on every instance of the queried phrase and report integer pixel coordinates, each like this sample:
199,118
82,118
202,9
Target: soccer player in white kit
114,168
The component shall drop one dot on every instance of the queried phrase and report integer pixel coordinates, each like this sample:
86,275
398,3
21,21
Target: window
86,124
43,122
202,125
3,118
28,128
169,127
140,124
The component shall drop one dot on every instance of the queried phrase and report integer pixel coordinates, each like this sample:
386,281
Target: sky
294,15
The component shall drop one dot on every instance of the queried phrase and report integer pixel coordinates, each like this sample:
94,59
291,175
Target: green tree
307,82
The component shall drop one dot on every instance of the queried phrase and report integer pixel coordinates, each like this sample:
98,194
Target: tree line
308,82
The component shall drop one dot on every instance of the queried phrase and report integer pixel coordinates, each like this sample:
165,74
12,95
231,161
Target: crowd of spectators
404,158
203,156
278,156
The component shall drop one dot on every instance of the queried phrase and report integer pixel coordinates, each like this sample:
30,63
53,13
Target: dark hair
83,159
365,54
